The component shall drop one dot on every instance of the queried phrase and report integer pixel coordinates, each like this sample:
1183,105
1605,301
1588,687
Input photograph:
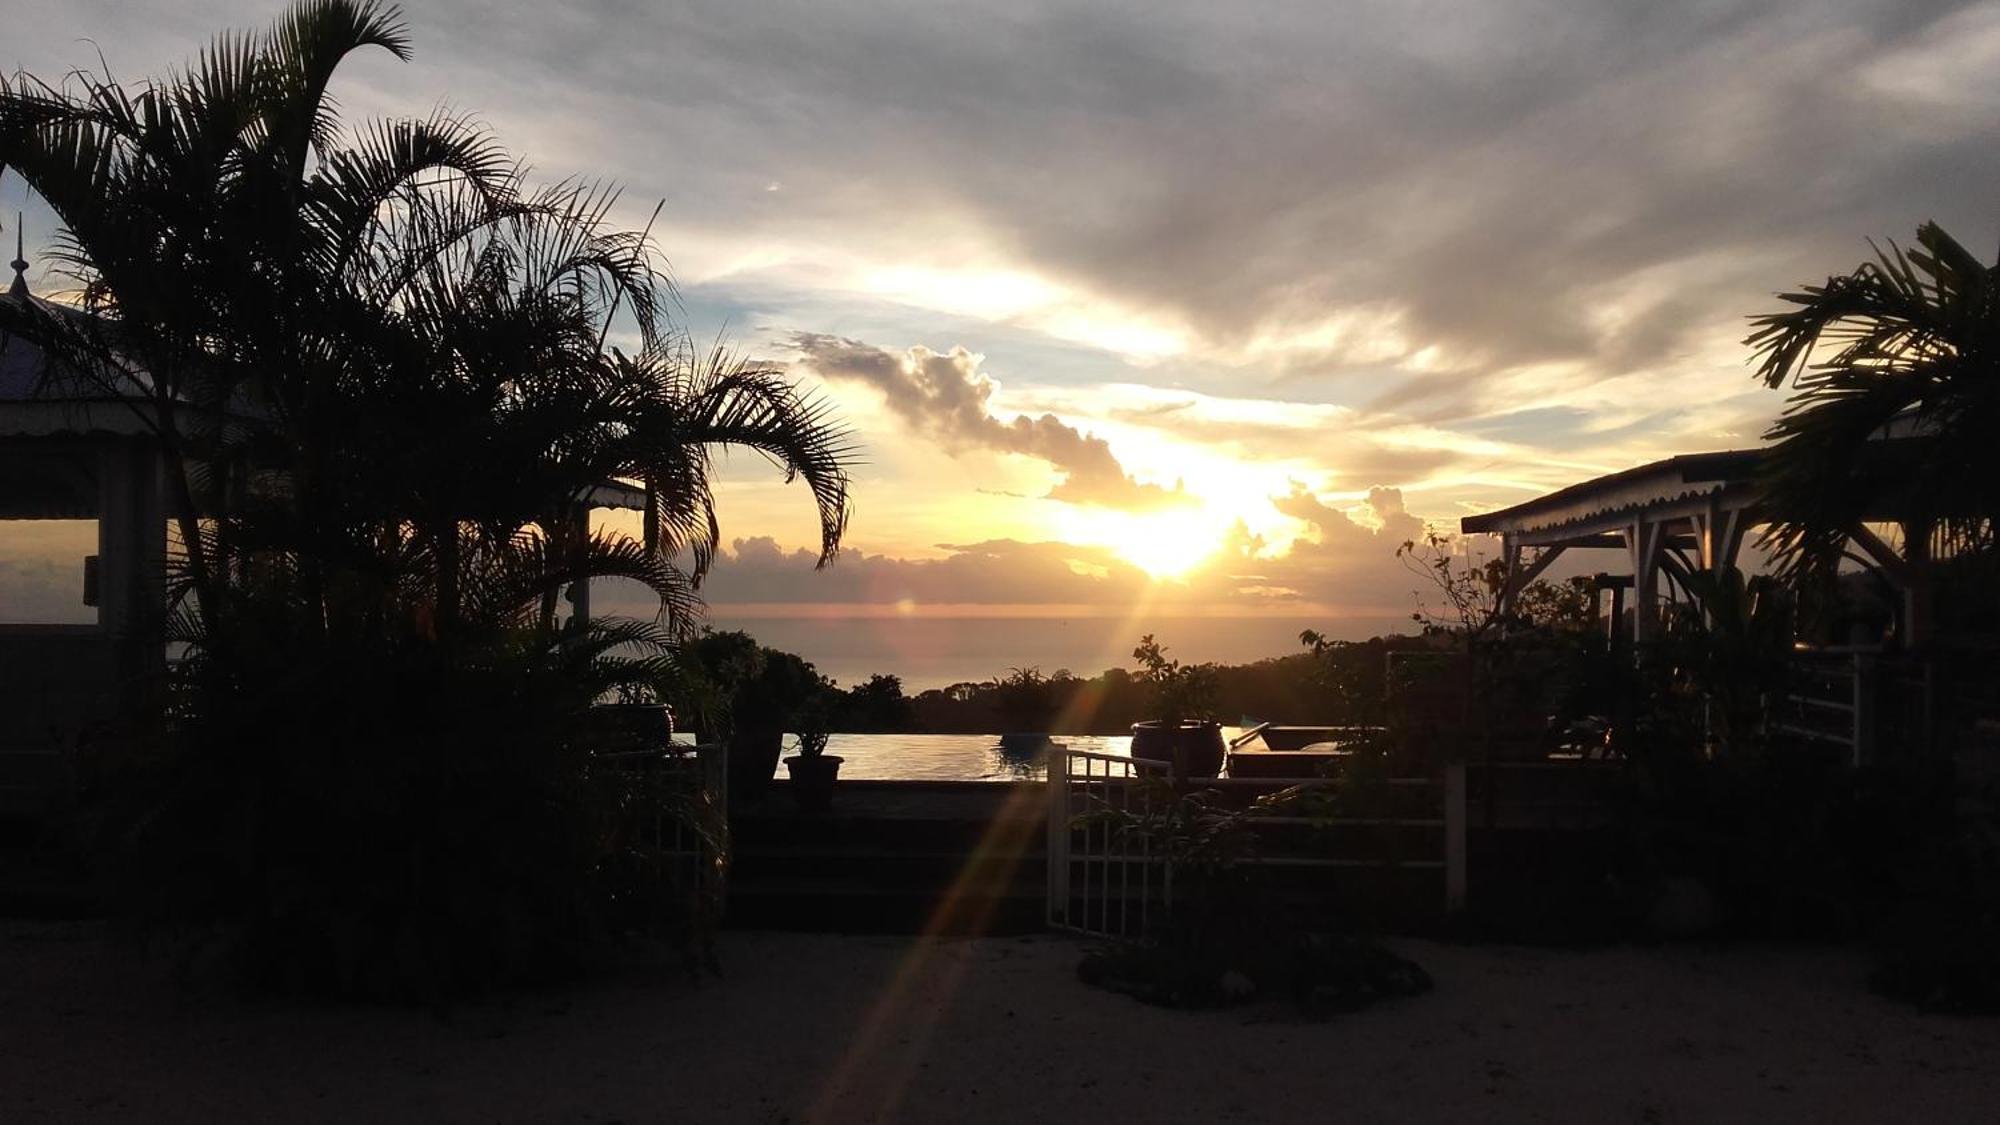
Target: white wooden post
1454,837
1510,552
1644,543
1058,839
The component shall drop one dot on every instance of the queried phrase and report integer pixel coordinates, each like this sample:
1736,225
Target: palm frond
1914,337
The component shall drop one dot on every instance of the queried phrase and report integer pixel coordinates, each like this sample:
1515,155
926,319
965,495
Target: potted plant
764,691
638,721
813,770
1186,732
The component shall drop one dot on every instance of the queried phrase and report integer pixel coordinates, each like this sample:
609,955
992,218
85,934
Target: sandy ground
846,1029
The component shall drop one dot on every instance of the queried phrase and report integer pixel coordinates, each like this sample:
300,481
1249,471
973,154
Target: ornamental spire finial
20,263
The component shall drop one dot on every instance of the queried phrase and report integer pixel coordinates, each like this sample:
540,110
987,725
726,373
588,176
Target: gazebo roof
41,396
1608,502
41,399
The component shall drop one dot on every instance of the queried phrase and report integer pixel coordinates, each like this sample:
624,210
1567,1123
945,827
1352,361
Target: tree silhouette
379,366
1915,335
396,326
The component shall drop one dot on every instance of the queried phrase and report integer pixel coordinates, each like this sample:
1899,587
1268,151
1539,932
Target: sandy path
838,1029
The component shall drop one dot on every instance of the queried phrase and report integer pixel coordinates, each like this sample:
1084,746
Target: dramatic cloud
946,398
1474,249
1471,186
1457,210
1346,567
1385,520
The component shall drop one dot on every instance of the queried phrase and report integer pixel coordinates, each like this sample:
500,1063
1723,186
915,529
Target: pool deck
912,800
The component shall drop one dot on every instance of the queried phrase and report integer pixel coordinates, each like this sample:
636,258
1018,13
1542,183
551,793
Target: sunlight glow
987,294
1168,544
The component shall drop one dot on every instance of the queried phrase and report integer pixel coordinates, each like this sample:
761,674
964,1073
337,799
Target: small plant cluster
813,733
1180,692
1940,948
1471,589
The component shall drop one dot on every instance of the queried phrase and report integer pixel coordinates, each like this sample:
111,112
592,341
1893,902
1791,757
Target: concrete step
900,834
879,867
857,908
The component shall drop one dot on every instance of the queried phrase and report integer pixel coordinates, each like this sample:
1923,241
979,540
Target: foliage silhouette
1916,339
376,363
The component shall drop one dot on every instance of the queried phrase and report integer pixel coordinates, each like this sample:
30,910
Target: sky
1178,316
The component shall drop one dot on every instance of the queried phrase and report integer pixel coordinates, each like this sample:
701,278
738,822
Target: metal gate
1099,881
1106,883
680,834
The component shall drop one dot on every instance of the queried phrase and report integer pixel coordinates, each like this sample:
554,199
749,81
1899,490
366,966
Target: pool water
955,757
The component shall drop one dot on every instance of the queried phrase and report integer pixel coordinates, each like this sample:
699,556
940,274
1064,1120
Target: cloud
1384,519
1347,567
946,398
1423,200
1251,178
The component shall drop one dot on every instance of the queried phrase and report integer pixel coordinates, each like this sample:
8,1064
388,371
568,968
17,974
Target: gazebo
1669,520
67,453
1691,513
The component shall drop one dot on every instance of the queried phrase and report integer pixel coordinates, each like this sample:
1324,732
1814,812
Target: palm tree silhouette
387,373
383,354
1917,335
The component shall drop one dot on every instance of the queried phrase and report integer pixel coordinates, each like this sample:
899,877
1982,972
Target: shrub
397,822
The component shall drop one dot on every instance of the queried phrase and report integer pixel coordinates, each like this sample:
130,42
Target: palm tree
420,337
199,212
1916,337
379,366
512,405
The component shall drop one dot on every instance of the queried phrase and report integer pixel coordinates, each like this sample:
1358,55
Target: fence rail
1103,882
1861,700
687,832
1082,855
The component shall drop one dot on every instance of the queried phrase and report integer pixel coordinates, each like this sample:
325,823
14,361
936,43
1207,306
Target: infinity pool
954,757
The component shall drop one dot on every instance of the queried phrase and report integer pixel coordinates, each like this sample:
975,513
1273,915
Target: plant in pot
764,689
1185,732
813,770
638,720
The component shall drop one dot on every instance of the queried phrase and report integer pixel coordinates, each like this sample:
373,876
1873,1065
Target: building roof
40,397
1607,502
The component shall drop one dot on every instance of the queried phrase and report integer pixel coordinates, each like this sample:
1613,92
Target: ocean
934,652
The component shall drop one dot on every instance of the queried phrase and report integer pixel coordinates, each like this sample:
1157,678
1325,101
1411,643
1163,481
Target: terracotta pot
1194,747
812,781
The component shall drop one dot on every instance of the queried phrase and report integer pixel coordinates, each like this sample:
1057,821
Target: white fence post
1058,842
1454,837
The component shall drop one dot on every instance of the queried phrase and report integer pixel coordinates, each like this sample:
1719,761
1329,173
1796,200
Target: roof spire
20,263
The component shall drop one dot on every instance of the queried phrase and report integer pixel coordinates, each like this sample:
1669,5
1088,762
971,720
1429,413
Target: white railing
1105,883
1089,861
690,852
1828,700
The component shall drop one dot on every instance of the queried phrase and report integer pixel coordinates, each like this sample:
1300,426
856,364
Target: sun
1171,544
